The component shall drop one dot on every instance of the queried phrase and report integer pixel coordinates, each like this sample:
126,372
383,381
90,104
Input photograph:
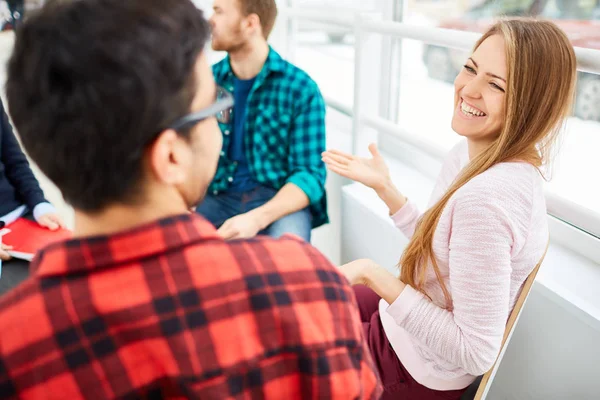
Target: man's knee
298,223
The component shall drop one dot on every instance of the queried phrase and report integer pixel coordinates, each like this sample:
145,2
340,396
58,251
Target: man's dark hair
266,11
92,82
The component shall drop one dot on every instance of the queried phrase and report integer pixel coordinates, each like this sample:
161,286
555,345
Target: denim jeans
218,209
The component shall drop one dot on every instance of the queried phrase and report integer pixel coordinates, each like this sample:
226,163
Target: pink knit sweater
491,234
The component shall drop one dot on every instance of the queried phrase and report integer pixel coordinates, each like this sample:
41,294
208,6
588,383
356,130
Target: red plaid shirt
171,310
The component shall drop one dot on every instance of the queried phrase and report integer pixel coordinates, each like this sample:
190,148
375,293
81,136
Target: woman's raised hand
371,172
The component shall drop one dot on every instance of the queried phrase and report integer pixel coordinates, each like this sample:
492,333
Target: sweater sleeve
479,278
407,217
17,167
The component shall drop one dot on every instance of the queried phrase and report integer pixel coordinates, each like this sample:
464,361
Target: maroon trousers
397,382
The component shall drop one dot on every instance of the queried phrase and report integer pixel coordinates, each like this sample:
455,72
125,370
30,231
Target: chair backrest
510,327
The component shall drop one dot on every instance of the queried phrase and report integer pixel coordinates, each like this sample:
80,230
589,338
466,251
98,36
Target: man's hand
241,226
4,248
51,221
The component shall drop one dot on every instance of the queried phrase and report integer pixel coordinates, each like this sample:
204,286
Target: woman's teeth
469,111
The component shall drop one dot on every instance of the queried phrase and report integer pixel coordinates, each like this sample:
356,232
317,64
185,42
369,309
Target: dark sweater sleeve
17,167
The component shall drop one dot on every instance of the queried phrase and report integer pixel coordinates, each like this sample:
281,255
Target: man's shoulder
220,68
297,74
294,84
292,69
281,250
287,256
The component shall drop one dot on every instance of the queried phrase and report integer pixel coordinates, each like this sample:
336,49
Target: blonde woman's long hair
542,71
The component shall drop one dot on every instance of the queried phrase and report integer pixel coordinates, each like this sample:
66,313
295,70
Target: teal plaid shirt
284,132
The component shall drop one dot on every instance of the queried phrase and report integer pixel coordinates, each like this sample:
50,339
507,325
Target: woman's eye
496,87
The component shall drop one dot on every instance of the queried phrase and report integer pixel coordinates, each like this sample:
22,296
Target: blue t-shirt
242,180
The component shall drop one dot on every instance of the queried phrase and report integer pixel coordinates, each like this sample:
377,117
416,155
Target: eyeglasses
221,109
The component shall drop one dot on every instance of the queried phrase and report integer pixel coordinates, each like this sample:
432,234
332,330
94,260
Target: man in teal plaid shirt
270,178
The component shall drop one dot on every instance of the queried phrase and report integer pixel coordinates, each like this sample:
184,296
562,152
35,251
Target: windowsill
565,277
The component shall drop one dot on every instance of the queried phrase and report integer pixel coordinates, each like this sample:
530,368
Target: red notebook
27,237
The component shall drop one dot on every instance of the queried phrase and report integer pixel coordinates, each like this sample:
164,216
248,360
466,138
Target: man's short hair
92,83
266,11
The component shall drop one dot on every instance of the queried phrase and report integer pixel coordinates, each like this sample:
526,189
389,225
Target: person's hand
371,172
51,221
356,271
368,273
241,226
4,248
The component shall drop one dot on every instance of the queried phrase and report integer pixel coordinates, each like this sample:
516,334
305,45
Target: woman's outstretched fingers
337,158
340,171
339,153
334,163
374,150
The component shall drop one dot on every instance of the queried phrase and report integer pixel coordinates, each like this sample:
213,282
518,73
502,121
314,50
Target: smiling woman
471,251
480,94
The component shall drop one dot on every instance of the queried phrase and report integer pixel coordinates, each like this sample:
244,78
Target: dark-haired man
116,103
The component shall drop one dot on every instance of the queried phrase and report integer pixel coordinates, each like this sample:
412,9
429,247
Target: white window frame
566,214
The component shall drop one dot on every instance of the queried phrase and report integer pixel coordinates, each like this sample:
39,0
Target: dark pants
397,382
218,209
14,272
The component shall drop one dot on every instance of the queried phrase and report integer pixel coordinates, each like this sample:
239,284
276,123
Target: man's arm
289,199
17,167
306,183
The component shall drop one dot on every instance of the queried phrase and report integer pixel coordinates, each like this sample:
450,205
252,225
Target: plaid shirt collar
90,254
273,64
